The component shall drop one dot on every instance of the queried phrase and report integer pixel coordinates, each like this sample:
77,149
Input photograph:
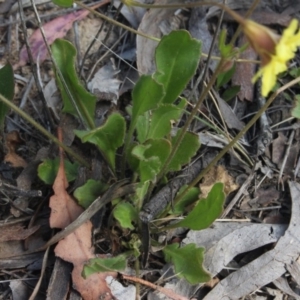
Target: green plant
152,145
149,139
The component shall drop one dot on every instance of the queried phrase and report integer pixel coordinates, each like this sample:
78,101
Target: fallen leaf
132,14
150,25
217,174
104,84
244,72
278,148
16,232
12,143
228,114
225,240
76,248
55,29
282,284
267,267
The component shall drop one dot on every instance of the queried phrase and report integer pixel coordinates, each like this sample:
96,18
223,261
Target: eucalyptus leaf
108,137
64,54
188,262
177,57
7,88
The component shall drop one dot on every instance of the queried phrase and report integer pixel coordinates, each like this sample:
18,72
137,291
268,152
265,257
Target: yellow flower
274,51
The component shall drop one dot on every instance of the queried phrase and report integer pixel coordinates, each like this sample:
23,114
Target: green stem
44,131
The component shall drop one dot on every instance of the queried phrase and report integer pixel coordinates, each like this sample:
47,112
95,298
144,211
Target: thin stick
169,293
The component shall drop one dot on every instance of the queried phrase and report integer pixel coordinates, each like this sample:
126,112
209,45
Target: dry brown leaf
64,209
12,142
267,267
151,25
278,148
76,248
16,232
244,73
217,174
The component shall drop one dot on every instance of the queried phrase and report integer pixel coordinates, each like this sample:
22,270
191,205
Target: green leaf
161,120
142,126
187,149
224,77
177,56
63,3
64,54
132,160
98,265
296,109
7,88
146,95
187,262
140,192
88,192
231,92
225,50
108,137
206,211
152,155
190,197
48,169
125,213
295,72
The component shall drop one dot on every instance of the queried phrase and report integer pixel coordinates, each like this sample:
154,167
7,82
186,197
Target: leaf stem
44,131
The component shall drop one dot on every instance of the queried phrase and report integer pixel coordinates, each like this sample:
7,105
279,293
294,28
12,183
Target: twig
169,293
38,284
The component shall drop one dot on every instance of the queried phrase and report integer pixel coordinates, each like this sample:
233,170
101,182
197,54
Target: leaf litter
75,248
224,241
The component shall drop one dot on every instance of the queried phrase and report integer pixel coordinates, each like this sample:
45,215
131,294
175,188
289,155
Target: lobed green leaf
152,156
64,54
125,213
187,262
97,265
146,95
108,137
177,57
186,150
88,192
206,211
48,169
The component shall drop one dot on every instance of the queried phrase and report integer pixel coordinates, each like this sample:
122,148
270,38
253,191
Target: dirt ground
251,250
